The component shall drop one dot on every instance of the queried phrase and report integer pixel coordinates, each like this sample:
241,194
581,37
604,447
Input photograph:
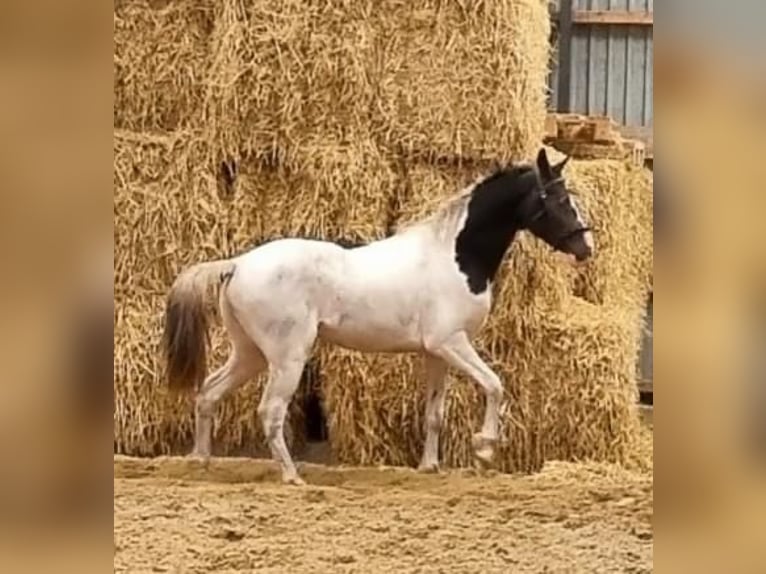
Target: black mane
492,221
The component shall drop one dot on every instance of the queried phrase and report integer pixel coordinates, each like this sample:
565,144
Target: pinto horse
425,289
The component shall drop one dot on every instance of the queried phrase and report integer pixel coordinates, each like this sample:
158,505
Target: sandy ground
173,515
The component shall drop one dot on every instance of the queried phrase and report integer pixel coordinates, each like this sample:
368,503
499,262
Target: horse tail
186,327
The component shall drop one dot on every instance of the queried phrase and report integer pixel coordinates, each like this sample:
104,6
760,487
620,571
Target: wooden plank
551,127
630,150
594,129
605,17
612,18
598,137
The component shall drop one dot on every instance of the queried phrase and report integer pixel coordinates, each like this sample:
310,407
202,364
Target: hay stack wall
428,78
564,342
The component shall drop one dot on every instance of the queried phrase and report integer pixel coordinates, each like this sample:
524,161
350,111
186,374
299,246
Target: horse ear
559,167
543,166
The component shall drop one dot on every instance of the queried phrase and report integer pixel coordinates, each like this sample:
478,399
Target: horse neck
490,225
481,250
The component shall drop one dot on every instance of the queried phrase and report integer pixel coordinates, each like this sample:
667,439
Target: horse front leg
458,352
436,390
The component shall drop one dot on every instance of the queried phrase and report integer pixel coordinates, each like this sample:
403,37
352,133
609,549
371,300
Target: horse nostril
584,254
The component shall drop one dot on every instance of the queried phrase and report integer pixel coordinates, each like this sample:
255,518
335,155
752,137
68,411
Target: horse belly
371,336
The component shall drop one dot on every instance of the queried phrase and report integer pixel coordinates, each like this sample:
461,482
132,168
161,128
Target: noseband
543,190
559,243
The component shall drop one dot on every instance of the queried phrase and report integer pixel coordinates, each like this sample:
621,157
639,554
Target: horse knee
494,389
205,405
434,420
434,424
270,413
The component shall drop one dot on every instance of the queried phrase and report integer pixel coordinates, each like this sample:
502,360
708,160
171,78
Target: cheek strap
541,193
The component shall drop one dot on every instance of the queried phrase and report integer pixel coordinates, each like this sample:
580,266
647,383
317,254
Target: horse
424,289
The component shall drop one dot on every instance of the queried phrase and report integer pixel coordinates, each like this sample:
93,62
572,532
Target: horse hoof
484,449
432,468
484,457
197,458
294,480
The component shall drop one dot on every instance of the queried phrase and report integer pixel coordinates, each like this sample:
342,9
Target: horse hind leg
285,337
283,381
286,348
244,362
436,387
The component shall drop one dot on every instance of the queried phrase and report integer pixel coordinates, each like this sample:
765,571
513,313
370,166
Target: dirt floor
173,515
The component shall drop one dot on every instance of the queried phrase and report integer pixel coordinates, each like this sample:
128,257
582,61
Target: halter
543,189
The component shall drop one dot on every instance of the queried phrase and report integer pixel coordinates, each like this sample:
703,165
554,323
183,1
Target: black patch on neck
491,224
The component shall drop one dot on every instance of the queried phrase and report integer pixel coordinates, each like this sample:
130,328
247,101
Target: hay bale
568,364
323,189
161,58
583,360
286,75
168,215
436,78
463,78
619,200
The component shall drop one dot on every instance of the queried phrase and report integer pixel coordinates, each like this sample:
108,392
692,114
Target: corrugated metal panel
611,66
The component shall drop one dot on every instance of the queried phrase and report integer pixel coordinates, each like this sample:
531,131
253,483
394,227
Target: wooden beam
613,18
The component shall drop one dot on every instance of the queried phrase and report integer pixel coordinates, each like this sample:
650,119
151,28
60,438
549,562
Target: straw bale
619,200
324,189
431,78
463,78
167,210
585,361
566,353
161,60
289,72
